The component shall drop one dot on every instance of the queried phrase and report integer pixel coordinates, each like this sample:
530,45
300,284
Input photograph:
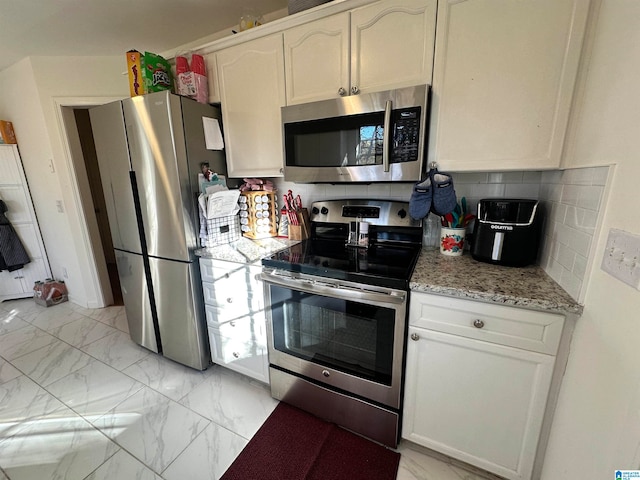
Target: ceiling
111,27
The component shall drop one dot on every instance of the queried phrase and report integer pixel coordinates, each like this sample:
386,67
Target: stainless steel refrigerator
150,150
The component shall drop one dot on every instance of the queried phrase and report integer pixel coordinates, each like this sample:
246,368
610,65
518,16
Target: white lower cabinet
471,391
236,322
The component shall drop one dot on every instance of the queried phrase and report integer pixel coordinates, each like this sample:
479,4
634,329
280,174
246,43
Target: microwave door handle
386,136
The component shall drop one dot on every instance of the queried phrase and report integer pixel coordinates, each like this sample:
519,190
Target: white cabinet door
252,91
316,57
392,44
503,82
479,402
212,77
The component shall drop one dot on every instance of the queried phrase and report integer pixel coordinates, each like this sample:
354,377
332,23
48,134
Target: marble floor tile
21,306
123,466
10,321
152,427
415,465
208,456
116,350
82,332
93,390
3,476
7,371
61,446
22,400
114,316
225,397
50,363
22,341
165,376
53,317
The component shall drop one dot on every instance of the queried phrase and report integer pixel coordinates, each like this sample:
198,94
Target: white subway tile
578,176
555,192
589,197
336,191
522,190
532,177
488,190
563,233
463,190
570,283
551,177
555,271
401,191
472,177
579,266
570,194
574,217
565,257
600,175
558,212
579,241
506,177
379,191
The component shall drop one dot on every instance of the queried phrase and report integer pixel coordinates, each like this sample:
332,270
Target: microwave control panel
406,135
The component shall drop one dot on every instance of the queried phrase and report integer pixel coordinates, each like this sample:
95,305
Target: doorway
77,126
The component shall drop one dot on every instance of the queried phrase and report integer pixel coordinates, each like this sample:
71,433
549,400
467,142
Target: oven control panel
376,212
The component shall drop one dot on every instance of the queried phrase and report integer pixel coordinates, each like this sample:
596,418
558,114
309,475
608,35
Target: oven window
349,336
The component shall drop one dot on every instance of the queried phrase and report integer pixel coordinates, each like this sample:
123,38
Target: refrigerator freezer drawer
136,299
178,294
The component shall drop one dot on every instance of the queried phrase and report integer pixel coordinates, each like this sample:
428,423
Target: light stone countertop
245,250
528,287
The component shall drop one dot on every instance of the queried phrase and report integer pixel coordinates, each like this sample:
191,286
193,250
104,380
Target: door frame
97,269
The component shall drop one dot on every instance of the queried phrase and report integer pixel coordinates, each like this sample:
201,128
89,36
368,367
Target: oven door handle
386,135
343,292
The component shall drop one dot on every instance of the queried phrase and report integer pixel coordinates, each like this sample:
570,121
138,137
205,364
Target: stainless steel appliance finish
149,151
336,316
332,144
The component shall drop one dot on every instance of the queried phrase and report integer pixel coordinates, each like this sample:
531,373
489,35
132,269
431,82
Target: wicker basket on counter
258,214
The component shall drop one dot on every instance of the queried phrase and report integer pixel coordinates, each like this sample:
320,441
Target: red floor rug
294,445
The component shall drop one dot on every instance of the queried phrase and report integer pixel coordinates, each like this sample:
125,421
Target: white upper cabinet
317,59
252,91
504,74
380,46
392,44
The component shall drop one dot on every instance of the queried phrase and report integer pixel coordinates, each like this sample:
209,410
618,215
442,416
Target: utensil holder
452,241
303,229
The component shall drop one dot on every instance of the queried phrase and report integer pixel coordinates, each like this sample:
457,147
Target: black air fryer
507,231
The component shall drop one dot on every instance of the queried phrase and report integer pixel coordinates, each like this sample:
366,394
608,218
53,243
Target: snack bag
135,70
157,73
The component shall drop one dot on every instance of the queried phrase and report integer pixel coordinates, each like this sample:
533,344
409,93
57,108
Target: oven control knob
326,373
402,213
324,210
315,210
415,337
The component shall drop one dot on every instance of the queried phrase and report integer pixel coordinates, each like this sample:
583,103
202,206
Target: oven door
340,334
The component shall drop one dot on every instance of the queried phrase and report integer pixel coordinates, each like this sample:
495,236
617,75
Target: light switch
622,257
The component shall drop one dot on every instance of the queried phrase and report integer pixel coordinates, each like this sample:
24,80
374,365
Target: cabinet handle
230,300
478,323
18,278
342,92
415,337
355,90
232,323
326,373
236,354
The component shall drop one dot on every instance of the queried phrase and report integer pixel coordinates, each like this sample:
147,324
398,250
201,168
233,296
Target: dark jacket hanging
13,256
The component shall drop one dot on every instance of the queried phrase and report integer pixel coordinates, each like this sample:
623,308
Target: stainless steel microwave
375,137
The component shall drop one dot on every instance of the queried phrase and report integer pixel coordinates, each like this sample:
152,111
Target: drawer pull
230,300
232,323
415,337
236,354
326,373
478,323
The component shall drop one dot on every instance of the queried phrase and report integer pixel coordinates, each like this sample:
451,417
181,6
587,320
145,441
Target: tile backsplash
572,200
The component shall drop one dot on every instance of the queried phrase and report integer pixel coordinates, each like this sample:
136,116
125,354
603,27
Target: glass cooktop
386,265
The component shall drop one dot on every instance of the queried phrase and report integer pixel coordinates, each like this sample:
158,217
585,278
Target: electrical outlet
622,257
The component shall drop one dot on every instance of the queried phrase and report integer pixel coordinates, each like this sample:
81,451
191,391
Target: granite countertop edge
463,277
245,250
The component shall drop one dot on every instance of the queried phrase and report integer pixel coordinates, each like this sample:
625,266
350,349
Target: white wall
597,423
29,91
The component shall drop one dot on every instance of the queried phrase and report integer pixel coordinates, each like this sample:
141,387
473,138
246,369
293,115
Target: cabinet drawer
238,296
516,327
249,325
246,357
229,273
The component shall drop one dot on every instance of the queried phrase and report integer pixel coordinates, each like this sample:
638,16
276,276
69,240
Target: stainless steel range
337,310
